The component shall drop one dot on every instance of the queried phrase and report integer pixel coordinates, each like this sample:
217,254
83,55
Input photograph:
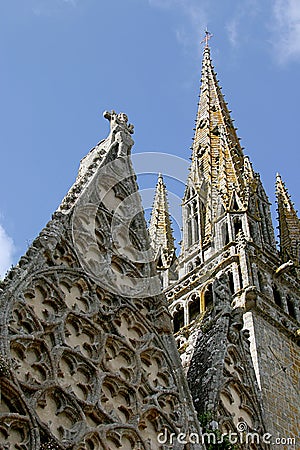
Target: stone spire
160,229
289,224
217,156
221,178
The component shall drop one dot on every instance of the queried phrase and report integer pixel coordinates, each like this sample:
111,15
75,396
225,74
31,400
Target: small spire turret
160,228
289,224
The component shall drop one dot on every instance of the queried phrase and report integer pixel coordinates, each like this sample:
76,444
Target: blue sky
63,62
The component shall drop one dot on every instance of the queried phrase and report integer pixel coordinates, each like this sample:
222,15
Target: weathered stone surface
232,282
88,357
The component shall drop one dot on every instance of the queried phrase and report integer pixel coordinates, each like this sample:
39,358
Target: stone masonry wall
279,367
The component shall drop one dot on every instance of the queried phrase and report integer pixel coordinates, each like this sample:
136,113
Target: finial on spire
208,36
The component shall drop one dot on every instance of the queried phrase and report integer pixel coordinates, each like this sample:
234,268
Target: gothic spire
221,178
160,229
216,149
289,224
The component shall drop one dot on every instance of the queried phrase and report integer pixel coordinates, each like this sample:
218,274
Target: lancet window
178,319
194,218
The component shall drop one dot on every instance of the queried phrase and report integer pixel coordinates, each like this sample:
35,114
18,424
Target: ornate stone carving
84,339
31,361
105,366
60,413
17,429
120,131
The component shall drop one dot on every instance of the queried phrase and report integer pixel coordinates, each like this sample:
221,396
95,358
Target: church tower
235,305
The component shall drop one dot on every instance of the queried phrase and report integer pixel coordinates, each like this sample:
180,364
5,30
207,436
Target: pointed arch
202,219
195,221
291,307
194,306
235,202
237,226
178,319
208,297
225,233
277,295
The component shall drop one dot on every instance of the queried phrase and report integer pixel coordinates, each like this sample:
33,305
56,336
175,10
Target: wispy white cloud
286,30
237,26
232,31
162,3
6,251
50,7
195,11
71,2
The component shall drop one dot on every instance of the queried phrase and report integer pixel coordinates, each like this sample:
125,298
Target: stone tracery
87,365
121,363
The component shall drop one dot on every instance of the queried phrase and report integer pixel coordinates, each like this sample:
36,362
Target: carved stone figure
120,132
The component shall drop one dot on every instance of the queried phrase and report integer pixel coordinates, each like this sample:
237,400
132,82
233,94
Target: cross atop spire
208,36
